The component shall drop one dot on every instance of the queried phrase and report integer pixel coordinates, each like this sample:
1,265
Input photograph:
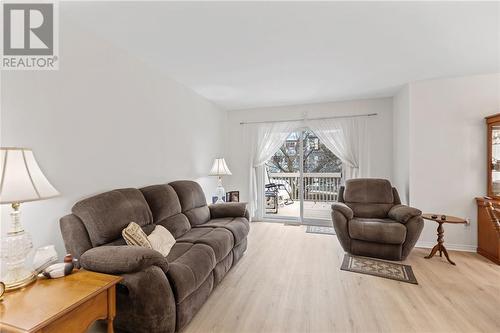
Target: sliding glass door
282,180
301,180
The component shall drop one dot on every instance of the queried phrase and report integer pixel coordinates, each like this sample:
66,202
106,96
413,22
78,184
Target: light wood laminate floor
290,281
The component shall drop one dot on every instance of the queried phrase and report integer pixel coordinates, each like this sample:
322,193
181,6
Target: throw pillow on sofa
134,235
160,239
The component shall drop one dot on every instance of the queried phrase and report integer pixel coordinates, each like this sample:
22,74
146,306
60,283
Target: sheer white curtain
265,139
346,138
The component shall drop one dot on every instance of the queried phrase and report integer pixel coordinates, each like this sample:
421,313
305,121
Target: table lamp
21,181
219,169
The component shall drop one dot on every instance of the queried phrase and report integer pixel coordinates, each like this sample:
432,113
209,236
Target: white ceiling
252,54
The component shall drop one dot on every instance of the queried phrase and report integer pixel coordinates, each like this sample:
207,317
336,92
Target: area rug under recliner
380,268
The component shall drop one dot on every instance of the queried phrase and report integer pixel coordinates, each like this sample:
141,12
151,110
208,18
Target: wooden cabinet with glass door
488,243
493,141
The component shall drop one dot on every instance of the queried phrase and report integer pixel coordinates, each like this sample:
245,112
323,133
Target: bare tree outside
317,158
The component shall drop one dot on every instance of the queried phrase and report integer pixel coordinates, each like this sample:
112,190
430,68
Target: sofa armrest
145,302
122,259
341,214
228,209
403,214
344,209
414,228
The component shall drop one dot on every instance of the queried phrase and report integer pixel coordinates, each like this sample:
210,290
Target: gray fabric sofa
369,220
158,294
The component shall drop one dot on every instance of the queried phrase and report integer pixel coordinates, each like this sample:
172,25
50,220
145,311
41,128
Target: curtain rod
320,118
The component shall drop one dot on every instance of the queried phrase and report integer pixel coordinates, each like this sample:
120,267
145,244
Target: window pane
322,173
282,179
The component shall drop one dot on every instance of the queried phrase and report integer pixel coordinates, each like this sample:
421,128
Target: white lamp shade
21,178
219,168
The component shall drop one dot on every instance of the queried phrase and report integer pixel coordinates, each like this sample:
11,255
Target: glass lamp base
18,278
220,193
16,246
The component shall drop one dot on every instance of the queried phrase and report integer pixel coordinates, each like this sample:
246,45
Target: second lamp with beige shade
219,169
21,181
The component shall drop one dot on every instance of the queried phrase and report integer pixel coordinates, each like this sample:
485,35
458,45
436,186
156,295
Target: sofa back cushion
368,190
192,200
369,197
106,214
166,208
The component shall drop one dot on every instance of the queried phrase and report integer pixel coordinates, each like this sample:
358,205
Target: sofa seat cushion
377,230
189,266
219,239
239,226
178,250
192,235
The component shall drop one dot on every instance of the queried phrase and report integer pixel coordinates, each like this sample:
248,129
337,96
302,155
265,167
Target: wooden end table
68,304
440,232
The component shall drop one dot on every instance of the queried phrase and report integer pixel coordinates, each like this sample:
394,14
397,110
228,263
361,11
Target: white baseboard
454,247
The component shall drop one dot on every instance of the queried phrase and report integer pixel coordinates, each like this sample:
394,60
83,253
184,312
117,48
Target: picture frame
233,196
214,199
271,203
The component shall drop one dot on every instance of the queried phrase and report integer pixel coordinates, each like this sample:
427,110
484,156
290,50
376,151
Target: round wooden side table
440,232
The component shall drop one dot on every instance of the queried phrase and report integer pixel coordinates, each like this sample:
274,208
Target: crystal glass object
16,246
22,181
219,169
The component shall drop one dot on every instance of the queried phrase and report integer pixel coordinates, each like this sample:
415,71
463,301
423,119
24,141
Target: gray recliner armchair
370,220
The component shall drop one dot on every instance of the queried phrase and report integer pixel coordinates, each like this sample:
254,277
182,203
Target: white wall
379,136
104,121
448,151
401,143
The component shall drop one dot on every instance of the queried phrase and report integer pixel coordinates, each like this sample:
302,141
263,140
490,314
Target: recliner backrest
105,215
166,208
369,197
192,200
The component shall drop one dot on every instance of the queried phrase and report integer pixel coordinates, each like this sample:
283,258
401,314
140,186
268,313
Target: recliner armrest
122,259
344,209
228,209
403,213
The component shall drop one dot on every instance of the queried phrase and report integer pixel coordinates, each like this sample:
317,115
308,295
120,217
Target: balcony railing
318,187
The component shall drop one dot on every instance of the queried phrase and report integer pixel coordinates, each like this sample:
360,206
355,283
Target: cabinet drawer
79,319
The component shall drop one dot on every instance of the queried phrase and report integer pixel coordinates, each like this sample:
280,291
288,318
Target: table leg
111,308
433,251
439,246
447,257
